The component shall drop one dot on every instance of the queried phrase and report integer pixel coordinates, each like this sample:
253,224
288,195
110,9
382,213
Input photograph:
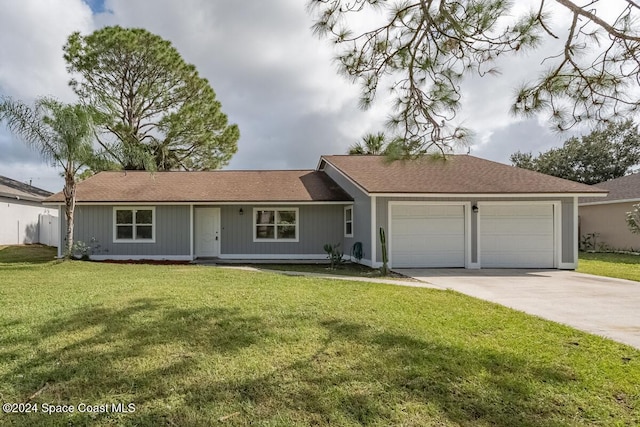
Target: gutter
16,197
610,202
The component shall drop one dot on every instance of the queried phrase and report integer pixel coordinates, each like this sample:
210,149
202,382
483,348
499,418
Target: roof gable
458,174
213,186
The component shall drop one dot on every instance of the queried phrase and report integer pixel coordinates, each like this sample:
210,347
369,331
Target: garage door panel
435,259
519,260
434,244
420,211
506,225
513,243
425,225
517,236
522,211
427,236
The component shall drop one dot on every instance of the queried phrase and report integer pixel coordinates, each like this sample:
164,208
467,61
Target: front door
207,232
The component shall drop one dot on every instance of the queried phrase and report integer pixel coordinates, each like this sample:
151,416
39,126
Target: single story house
23,218
463,212
607,216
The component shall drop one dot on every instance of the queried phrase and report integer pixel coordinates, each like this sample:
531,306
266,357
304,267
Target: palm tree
371,144
63,135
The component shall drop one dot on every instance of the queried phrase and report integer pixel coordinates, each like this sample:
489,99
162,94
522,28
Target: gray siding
319,224
94,226
361,213
474,235
567,235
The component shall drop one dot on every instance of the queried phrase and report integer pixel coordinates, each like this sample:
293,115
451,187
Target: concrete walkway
599,305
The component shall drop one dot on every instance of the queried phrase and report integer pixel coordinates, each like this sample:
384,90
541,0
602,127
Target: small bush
334,255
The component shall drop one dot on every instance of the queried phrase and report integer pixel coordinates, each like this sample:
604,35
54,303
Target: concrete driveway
599,305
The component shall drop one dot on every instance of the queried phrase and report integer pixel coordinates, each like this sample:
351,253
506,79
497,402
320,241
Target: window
134,225
348,221
275,224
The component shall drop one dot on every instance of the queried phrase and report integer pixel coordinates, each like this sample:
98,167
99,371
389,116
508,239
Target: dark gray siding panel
319,224
94,226
361,213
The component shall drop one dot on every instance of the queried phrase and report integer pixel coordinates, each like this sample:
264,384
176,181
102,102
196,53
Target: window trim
254,223
134,209
346,221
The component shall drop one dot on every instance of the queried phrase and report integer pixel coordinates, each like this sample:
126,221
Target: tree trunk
69,208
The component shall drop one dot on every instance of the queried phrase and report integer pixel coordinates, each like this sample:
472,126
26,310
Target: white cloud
274,78
33,33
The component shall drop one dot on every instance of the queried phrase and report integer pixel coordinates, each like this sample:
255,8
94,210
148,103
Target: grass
196,345
622,266
29,254
346,269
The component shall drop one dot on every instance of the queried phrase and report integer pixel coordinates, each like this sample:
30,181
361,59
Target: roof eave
524,194
610,202
200,202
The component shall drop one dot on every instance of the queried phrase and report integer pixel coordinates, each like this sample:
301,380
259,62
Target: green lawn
192,345
608,264
31,254
346,269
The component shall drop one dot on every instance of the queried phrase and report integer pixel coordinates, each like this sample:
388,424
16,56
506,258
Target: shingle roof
459,174
214,186
19,190
623,188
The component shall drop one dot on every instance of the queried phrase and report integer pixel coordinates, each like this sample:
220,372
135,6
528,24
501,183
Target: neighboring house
23,218
463,212
607,216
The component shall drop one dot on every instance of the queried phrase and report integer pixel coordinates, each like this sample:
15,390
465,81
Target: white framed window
348,221
275,224
134,224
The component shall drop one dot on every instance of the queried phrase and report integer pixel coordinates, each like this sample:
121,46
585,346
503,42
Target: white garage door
427,236
516,236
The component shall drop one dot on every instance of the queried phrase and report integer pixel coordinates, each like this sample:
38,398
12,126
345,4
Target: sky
275,79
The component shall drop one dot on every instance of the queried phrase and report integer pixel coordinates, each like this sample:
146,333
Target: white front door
207,232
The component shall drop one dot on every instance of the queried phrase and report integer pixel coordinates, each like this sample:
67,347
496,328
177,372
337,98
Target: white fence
20,223
49,229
